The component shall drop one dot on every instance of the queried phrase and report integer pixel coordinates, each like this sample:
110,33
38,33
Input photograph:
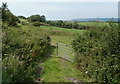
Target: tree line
41,20
64,24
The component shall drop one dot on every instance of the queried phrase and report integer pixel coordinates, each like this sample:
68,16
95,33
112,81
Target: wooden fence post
57,48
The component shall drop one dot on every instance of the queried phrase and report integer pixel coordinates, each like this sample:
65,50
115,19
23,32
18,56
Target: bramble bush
22,51
98,51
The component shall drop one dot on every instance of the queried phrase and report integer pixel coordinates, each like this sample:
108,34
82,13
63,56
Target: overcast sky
56,9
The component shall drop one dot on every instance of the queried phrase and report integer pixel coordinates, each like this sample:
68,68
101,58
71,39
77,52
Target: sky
59,0
64,9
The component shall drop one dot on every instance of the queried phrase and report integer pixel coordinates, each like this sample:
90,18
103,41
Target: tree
37,17
34,18
60,23
22,17
43,19
7,16
68,25
75,25
5,6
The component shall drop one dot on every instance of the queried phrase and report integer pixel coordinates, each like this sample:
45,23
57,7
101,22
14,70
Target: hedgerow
98,52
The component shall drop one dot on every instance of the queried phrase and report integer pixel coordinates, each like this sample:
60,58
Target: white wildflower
86,72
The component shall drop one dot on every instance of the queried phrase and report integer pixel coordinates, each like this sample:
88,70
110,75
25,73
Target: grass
56,69
100,24
73,31
96,24
62,39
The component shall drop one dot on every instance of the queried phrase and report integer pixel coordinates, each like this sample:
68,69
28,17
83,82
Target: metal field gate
65,51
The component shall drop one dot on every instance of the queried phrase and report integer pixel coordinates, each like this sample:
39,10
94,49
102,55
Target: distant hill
95,19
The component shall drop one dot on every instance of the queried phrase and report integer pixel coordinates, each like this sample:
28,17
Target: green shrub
22,51
37,24
98,51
